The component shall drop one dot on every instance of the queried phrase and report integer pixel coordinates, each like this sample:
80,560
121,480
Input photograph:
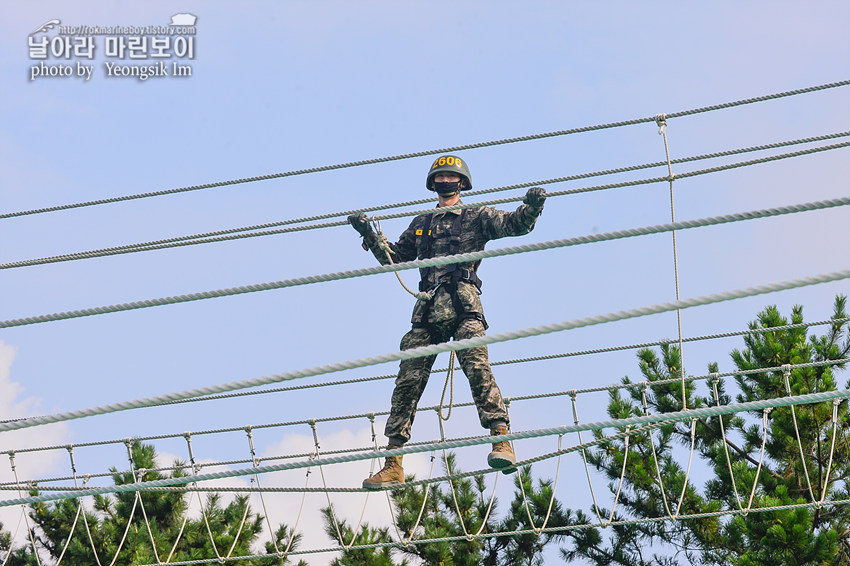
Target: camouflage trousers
413,376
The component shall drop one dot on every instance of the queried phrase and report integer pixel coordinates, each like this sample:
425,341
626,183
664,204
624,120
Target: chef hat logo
183,20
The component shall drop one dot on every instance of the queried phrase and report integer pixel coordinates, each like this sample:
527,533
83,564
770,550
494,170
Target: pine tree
117,525
447,515
809,535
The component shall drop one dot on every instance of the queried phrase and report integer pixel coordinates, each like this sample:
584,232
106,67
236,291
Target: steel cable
451,149
443,260
243,233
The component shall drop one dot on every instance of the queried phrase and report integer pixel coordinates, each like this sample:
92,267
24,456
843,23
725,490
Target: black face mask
445,189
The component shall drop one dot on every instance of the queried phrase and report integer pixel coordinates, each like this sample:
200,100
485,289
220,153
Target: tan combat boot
502,455
391,474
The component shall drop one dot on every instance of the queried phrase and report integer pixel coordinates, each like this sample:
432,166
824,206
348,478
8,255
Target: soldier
454,309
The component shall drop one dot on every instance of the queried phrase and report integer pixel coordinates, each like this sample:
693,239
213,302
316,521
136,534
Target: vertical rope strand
23,510
195,469
138,477
655,456
584,459
714,380
85,519
835,404
661,120
15,536
786,374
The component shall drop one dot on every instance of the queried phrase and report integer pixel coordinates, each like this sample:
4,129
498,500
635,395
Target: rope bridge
622,430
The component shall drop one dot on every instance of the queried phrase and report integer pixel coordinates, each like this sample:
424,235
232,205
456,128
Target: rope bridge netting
195,475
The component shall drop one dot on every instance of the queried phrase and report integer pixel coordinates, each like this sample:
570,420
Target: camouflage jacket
479,226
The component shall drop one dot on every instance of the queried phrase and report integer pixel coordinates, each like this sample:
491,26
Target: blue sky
293,85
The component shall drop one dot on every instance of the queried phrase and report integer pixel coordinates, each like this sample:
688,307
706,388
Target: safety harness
427,291
454,273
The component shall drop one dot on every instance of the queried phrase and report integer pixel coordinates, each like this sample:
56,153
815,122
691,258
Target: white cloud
28,465
285,508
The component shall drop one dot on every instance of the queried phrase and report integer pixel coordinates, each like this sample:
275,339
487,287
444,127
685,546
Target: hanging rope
834,423
450,385
602,522
385,247
661,120
522,483
786,373
15,535
460,519
713,384
195,469
688,471
85,519
76,515
691,414
421,296
765,413
426,491
138,477
255,478
327,494
710,377
519,533
30,530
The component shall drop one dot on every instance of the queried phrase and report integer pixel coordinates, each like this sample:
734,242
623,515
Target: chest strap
454,270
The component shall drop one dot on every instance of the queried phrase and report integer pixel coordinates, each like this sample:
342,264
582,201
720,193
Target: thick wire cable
519,533
426,201
437,261
440,370
436,349
712,377
451,149
230,235
502,362
693,413
588,525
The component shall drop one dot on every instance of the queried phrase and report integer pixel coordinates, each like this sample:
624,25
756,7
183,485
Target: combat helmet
449,164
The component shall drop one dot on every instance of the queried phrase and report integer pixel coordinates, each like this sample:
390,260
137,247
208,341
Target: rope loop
450,386
661,121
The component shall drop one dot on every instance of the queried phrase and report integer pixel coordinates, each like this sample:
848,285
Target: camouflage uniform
449,314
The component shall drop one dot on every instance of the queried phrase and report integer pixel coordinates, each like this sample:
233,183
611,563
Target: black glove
360,223
535,197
